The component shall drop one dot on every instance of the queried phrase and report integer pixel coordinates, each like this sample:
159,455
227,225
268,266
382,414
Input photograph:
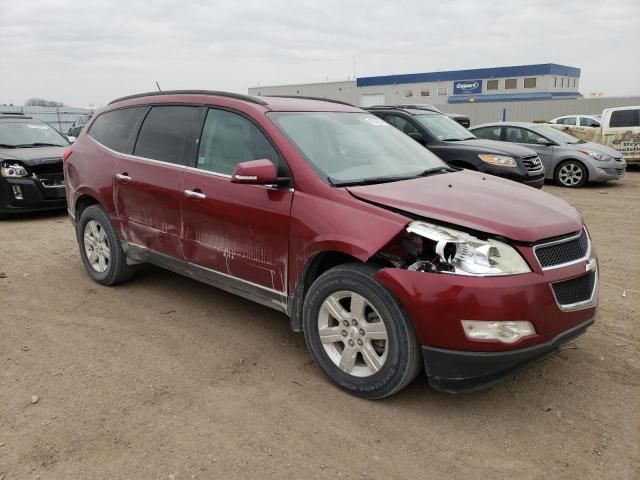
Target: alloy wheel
353,334
96,246
570,174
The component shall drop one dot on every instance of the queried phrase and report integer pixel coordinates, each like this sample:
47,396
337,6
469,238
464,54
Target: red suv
386,258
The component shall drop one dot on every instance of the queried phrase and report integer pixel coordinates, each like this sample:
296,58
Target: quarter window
511,83
492,84
164,134
530,82
229,139
114,129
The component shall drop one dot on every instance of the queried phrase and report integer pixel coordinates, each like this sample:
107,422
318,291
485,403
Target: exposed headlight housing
603,157
498,160
13,170
451,251
505,332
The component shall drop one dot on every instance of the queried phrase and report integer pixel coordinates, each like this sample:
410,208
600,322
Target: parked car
569,161
78,125
581,120
387,259
31,177
619,129
459,147
458,117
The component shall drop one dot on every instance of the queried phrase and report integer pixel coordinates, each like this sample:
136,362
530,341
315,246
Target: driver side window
229,139
401,124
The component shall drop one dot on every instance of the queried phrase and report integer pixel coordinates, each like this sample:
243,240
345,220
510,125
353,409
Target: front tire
571,174
359,334
100,248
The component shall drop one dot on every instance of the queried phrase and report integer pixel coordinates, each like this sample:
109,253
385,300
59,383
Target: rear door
235,235
147,183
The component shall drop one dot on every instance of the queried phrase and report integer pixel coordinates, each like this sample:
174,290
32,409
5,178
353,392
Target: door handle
123,177
194,194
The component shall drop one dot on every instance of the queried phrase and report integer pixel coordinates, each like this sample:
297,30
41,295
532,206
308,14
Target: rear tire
359,334
100,248
571,174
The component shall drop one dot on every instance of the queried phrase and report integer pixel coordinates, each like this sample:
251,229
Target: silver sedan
567,160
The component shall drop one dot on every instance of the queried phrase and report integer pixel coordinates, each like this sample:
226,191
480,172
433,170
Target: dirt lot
166,378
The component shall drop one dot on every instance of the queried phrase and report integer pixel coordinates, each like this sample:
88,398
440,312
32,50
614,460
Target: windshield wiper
374,180
38,144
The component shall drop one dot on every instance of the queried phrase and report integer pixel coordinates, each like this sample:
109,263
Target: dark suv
386,258
459,147
31,177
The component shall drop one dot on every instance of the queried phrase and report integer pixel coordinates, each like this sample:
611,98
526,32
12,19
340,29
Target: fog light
505,332
17,192
601,171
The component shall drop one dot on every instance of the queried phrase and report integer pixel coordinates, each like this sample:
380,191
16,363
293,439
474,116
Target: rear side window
588,122
402,124
490,133
114,129
625,118
229,139
165,133
567,121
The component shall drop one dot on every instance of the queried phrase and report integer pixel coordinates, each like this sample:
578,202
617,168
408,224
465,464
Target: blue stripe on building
477,73
512,97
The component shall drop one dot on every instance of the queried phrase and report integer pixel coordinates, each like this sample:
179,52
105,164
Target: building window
562,82
492,84
575,80
408,93
555,82
529,83
442,91
511,83
424,92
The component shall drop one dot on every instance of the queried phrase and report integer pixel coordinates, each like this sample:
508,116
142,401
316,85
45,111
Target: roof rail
330,100
237,96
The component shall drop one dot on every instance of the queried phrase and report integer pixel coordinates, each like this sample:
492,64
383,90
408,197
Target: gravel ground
166,378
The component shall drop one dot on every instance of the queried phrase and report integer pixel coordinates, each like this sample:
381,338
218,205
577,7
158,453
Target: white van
619,129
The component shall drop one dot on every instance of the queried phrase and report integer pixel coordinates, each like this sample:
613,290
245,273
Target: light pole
472,100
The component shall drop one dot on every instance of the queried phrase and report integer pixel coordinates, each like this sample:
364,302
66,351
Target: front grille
533,164
52,166
576,290
563,251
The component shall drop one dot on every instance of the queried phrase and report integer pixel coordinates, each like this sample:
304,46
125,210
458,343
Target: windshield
556,135
27,134
443,128
346,148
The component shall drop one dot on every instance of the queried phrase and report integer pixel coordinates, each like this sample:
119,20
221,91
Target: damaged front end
427,247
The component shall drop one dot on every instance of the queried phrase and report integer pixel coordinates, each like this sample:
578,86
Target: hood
32,156
596,147
479,202
493,146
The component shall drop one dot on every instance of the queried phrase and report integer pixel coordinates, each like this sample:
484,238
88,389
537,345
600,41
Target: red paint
267,236
258,172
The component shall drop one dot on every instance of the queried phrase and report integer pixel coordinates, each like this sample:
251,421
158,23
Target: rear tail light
66,154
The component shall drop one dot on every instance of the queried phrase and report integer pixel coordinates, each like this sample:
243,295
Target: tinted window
516,135
588,122
490,133
625,118
229,139
164,134
401,124
114,129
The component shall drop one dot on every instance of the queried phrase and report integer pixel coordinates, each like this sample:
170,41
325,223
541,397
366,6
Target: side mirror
256,172
417,136
543,141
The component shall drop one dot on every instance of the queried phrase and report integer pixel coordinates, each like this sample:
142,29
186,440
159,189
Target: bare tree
41,102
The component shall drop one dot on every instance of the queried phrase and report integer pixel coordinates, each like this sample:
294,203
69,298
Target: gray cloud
88,53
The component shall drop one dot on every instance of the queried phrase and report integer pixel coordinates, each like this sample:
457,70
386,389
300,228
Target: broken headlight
12,170
442,249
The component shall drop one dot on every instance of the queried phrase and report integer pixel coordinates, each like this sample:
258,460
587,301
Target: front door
528,138
235,235
147,184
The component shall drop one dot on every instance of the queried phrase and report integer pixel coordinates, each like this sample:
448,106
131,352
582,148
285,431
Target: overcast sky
88,52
